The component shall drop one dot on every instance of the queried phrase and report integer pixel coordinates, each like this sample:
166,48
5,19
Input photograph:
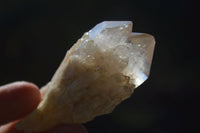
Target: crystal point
106,25
100,71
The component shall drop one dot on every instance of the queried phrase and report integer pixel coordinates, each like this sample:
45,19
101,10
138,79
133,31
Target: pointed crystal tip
108,24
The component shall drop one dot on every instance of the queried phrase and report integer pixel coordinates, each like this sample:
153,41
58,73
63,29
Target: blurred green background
35,35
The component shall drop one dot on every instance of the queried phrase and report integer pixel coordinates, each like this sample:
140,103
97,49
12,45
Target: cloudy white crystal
101,70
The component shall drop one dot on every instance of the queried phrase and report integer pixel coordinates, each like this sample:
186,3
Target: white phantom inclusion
100,71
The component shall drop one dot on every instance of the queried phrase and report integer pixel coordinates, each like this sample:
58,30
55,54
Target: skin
17,100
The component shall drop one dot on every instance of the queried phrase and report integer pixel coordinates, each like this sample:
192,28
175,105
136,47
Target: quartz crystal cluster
101,70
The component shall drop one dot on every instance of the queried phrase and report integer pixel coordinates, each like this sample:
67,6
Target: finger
71,128
9,128
17,100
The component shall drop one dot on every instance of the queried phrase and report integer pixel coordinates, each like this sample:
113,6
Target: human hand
17,100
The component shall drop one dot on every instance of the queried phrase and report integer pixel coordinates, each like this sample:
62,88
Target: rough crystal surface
101,70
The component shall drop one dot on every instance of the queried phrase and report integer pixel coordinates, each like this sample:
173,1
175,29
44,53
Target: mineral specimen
101,70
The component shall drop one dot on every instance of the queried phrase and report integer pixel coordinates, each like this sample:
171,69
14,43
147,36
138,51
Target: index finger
17,100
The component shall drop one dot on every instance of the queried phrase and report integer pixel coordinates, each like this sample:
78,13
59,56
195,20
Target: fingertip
31,96
17,100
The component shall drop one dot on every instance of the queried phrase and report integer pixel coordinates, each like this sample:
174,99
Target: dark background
35,35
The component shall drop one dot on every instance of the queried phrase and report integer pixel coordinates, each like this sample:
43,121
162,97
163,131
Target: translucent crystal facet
101,70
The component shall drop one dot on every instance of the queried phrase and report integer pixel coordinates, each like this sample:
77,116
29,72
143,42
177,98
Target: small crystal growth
100,71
